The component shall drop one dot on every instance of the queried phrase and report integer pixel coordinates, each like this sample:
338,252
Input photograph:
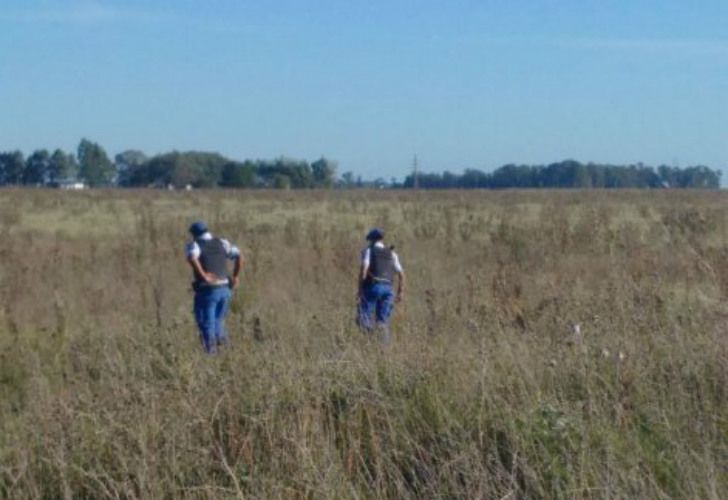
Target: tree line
572,174
132,168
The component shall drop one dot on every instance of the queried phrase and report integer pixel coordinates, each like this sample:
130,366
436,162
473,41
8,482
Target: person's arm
363,271
238,266
400,276
400,285
197,268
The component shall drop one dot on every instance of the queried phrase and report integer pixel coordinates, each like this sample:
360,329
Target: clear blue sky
369,83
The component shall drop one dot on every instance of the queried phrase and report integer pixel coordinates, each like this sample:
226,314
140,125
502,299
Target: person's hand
399,297
234,282
209,278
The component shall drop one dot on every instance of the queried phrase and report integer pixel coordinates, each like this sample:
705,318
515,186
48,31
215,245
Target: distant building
69,185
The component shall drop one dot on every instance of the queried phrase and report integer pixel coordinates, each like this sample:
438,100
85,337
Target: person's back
208,257
379,266
213,259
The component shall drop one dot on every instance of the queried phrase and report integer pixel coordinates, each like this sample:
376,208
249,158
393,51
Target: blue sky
464,84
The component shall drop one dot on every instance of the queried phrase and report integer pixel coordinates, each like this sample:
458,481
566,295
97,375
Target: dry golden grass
551,345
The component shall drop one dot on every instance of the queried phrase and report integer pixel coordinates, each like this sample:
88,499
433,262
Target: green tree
347,179
130,158
238,175
324,172
36,168
95,167
195,168
127,163
12,166
281,181
62,166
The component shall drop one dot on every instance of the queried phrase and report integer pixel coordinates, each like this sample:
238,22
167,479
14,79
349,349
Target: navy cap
198,228
375,234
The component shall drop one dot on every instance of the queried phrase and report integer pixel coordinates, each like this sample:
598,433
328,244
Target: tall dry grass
551,345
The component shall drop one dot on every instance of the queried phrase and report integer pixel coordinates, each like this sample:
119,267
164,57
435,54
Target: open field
487,390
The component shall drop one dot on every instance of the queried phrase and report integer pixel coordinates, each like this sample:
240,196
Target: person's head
198,228
375,235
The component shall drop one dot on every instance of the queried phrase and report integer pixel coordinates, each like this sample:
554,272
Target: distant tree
208,167
238,175
514,176
572,174
598,175
701,177
127,163
95,167
669,176
186,172
298,172
62,166
281,181
474,179
198,169
324,173
36,168
379,183
449,180
12,166
347,179
130,158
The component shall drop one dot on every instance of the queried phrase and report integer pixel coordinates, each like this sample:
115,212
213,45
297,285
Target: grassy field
550,345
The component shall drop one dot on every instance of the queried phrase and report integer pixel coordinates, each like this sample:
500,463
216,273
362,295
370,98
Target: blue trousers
376,299
211,306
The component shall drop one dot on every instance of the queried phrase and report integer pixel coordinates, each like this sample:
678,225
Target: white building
70,185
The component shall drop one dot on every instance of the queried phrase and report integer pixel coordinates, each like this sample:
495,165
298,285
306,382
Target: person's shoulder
230,249
191,247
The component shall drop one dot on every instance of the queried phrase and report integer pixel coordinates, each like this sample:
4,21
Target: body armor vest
381,265
213,258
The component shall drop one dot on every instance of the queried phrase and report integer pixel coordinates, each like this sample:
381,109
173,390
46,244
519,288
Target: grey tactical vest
213,258
381,265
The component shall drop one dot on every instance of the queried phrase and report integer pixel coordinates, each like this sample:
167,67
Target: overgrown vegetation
551,345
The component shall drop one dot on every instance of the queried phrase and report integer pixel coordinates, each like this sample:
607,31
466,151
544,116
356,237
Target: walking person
208,256
375,295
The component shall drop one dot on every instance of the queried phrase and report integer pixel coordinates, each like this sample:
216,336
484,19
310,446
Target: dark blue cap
375,234
198,228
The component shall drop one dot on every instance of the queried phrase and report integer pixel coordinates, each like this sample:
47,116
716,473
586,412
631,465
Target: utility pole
415,173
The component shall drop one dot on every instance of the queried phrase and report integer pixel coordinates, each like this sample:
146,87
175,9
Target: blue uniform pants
211,306
376,299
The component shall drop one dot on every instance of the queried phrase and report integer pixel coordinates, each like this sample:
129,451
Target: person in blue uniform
209,257
375,296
